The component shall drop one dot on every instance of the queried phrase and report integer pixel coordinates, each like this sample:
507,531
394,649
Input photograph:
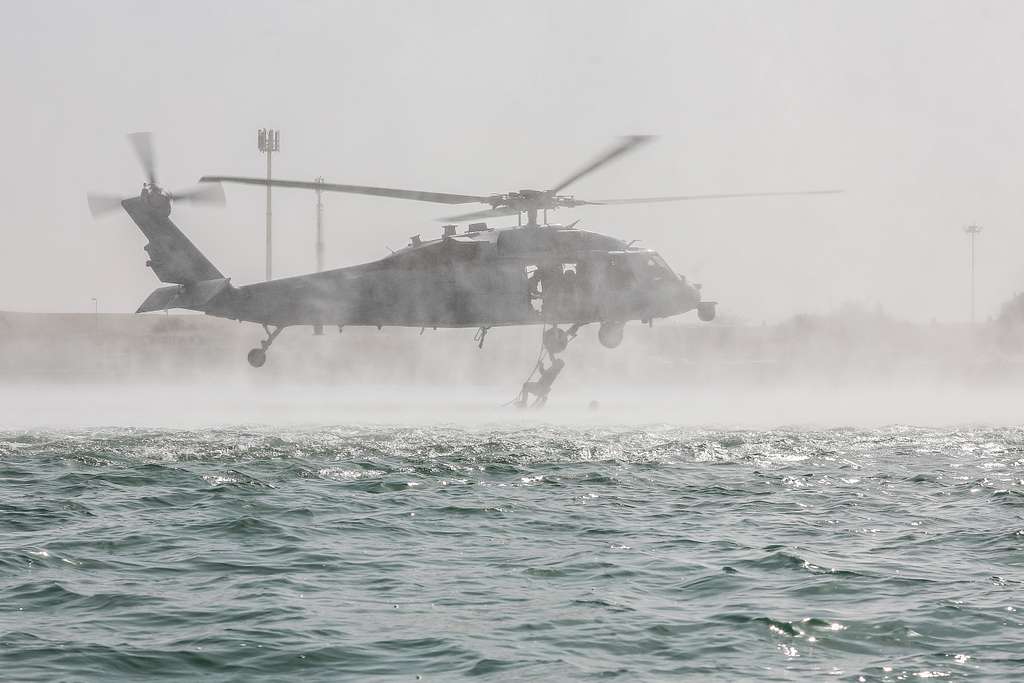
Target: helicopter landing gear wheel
555,340
610,334
706,311
257,357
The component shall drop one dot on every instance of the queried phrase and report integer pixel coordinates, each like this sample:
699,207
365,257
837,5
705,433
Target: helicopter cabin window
556,284
570,279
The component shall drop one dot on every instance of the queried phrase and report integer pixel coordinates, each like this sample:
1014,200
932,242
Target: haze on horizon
912,107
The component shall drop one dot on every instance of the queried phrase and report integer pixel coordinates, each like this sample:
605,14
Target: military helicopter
557,276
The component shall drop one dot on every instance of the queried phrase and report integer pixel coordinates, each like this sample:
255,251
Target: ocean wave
510,552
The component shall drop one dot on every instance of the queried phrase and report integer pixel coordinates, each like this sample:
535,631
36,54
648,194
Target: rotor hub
156,198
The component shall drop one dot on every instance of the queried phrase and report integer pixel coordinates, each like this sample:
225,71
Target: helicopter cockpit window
660,262
658,269
665,267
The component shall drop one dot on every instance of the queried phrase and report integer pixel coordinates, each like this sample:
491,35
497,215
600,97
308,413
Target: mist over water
204,405
850,368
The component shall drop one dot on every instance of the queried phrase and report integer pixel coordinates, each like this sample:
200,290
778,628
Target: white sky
915,108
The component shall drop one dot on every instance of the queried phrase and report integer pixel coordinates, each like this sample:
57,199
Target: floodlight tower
972,232
269,142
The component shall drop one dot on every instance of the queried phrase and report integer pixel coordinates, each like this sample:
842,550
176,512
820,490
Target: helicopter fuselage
533,275
483,278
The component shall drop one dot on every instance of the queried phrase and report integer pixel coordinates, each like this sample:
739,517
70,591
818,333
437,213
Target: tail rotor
208,193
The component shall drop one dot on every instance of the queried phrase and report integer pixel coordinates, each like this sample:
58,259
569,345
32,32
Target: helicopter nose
688,296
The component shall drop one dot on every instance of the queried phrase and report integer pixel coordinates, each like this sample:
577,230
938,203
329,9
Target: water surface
512,552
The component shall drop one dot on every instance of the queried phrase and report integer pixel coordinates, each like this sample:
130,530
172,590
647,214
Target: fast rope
536,364
540,356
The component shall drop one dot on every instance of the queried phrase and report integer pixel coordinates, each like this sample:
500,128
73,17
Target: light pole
319,224
972,232
319,329
269,142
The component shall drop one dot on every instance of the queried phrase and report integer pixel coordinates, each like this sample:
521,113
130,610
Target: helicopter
536,273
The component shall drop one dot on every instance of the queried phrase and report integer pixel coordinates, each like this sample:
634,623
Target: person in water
542,387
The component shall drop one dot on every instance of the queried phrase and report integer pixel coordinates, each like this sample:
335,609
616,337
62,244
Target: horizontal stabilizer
194,297
161,299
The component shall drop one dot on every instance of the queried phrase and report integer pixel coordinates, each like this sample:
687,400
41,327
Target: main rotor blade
212,193
437,197
103,204
486,213
692,197
143,144
612,154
